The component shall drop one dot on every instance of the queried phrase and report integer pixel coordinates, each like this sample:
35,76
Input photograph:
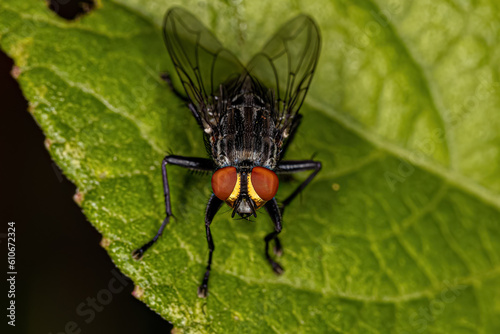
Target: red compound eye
265,182
223,182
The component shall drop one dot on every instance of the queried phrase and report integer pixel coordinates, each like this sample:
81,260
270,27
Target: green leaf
399,233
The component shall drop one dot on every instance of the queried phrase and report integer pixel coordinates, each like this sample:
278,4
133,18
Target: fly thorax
246,132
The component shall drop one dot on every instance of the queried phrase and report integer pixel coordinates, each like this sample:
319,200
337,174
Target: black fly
249,116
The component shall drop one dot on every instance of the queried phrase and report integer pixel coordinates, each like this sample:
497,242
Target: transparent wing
202,63
283,70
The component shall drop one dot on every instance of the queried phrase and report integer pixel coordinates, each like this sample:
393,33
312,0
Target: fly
249,116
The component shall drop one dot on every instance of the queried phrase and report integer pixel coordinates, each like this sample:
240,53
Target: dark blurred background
59,262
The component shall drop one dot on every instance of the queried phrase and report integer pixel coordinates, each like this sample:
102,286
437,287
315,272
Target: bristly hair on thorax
243,128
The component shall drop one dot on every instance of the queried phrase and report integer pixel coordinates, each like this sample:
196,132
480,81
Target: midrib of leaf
343,171
452,177
430,88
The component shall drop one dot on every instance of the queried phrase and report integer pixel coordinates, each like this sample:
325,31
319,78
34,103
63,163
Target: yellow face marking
259,202
236,192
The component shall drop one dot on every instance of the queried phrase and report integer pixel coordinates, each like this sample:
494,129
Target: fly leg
274,212
294,166
166,77
168,80
213,206
197,164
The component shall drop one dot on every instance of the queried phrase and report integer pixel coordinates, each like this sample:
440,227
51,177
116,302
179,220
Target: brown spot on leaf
78,197
105,242
138,292
15,72
47,142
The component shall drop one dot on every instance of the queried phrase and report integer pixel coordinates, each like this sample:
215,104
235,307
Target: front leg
274,212
197,164
213,206
292,167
